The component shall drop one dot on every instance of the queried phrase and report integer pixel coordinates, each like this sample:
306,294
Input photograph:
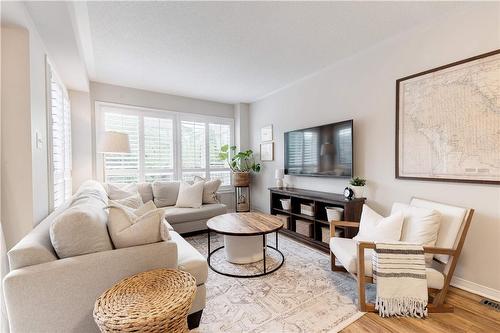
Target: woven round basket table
153,301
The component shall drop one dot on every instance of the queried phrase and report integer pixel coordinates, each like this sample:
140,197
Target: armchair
355,256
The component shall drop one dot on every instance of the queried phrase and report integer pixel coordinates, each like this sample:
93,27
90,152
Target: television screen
323,151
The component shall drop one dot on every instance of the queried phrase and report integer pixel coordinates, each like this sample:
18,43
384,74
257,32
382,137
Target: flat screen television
322,151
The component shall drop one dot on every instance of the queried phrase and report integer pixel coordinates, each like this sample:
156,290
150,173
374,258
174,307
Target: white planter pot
359,191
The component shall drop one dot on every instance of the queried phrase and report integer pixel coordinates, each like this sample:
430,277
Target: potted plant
358,186
241,164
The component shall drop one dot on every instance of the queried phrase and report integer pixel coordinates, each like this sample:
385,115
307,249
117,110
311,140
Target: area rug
304,295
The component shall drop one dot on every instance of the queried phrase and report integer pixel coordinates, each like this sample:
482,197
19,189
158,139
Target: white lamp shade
114,142
279,173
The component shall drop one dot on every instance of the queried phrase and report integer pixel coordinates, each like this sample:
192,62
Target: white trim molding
476,288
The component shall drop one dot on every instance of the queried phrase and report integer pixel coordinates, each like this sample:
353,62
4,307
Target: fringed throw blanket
399,272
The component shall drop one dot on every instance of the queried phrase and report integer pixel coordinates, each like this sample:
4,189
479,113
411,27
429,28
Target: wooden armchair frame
437,304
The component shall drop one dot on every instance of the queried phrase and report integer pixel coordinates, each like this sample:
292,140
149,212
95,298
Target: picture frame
441,132
266,133
267,151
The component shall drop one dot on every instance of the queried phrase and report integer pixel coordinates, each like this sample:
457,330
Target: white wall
81,137
362,88
17,204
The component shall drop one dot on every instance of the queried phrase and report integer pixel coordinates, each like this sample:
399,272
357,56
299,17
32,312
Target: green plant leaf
224,148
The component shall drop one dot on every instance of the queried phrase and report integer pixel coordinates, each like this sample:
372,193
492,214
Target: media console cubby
319,200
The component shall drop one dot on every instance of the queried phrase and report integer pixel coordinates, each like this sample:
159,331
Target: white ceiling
231,51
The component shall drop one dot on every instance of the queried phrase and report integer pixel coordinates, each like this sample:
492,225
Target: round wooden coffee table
245,239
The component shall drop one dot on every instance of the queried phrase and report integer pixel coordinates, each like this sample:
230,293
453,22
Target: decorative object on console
266,133
278,175
267,151
358,186
241,164
348,193
447,122
113,143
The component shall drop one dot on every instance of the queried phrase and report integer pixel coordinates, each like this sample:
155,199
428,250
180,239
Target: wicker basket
304,227
284,219
241,178
153,301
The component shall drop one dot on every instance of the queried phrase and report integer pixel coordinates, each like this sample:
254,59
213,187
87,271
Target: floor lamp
113,143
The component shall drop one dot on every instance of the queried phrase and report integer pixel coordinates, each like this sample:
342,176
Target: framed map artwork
448,122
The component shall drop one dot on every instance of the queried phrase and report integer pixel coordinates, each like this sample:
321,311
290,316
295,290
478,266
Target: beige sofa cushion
81,228
345,251
210,188
178,215
190,195
117,191
165,193
190,260
134,201
132,227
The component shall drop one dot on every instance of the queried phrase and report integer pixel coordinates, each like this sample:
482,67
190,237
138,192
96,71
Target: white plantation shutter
158,149
165,145
59,142
218,135
123,168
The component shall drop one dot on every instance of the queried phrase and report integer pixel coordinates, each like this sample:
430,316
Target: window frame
177,118
51,75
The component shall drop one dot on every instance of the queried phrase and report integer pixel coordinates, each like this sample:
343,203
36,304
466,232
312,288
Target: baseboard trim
476,288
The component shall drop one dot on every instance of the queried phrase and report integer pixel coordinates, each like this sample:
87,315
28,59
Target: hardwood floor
469,316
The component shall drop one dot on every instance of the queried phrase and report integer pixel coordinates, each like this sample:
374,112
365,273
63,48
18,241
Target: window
164,145
59,133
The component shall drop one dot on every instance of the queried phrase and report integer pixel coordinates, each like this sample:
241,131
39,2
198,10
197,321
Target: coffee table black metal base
264,250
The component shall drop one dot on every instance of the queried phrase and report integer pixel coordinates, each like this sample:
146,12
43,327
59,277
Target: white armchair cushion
420,225
373,227
345,250
452,218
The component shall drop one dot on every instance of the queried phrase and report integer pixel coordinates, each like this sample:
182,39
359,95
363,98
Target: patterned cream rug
304,295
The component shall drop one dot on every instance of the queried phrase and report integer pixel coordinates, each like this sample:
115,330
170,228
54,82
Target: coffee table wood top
244,224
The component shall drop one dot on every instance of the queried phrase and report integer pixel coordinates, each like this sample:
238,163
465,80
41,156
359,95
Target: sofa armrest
59,296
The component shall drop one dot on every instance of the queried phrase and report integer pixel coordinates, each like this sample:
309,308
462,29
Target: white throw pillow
165,193
373,227
81,229
420,225
120,191
134,201
190,196
133,227
210,189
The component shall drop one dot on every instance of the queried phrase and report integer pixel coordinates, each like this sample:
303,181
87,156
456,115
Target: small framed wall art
267,151
266,133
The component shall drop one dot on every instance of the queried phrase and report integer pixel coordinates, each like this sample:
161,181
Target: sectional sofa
44,293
